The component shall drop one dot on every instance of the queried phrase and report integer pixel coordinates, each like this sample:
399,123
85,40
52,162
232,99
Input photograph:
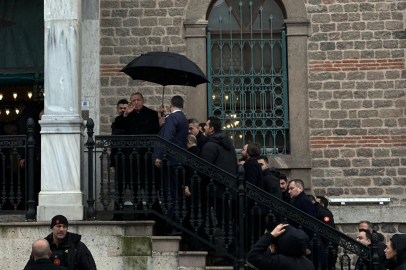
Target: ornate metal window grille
247,68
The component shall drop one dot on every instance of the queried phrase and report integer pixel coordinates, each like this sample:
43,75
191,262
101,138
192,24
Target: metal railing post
31,214
90,214
374,251
241,213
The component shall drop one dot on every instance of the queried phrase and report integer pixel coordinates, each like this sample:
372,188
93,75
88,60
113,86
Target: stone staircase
117,245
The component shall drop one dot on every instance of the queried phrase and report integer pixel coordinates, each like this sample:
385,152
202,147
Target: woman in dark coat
395,252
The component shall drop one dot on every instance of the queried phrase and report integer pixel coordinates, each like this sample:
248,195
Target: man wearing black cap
67,249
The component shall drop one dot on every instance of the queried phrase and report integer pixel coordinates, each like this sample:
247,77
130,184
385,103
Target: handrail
218,175
180,154
307,221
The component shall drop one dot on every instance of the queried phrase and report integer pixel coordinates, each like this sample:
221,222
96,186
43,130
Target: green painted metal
249,84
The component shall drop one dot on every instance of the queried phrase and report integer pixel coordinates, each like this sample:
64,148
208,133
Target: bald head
41,249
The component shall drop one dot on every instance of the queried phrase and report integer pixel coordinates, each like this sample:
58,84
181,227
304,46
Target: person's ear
49,254
32,254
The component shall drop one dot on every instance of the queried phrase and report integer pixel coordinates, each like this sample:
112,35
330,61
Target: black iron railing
17,182
223,211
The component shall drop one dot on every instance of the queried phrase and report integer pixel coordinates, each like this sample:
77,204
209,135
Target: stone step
195,259
219,268
165,243
12,218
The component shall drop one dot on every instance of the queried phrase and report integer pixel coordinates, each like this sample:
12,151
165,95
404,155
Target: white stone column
62,126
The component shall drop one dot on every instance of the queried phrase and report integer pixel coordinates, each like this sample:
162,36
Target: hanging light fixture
29,95
17,111
7,111
43,94
15,95
1,96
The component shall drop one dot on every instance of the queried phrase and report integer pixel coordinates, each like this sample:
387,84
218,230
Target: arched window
247,66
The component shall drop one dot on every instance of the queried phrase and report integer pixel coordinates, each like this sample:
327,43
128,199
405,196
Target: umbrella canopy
165,68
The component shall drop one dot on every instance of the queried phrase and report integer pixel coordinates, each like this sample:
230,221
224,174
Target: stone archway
299,162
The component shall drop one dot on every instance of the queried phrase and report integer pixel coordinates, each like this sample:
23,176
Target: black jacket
115,131
271,182
399,242
253,172
201,140
142,123
302,202
219,151
72,253
290,252
45,264
189,170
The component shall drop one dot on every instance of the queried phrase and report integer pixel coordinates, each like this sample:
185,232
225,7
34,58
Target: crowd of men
207,141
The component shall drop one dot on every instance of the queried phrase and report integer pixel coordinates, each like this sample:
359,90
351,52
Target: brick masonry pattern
128,29
357,98
357,81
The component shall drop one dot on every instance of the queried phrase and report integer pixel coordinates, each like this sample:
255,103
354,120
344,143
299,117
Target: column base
52,203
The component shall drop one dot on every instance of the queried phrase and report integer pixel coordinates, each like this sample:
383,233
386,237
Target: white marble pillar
91,75
62,125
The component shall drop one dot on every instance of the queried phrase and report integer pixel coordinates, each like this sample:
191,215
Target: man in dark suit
302,202
137,119
41,252
121,107
175,130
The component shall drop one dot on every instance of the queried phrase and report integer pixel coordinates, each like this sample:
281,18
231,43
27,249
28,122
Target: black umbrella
165,68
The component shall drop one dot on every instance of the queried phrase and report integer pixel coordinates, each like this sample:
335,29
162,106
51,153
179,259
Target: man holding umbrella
175,129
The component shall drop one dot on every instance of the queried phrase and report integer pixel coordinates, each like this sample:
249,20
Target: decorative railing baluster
31,213
90,213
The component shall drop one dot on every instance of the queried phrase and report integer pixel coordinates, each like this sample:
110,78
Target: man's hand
279,230
187,192
130,108
158,163
22,163
308,252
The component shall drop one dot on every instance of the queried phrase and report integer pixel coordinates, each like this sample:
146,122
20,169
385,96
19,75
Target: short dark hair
202,125
254,149
283,177
192,138
265,158
312,198
215,123
368,223
122,101
368,234
323,200
177,101
298,182
137,93
193,121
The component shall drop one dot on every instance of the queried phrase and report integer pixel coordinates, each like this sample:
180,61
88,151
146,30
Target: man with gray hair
194,130
41,253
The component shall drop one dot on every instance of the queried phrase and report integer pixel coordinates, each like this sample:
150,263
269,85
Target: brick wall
357,98
357,82
128,29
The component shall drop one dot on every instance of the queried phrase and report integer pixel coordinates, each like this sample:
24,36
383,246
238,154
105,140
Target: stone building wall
128,29
356,55
357,79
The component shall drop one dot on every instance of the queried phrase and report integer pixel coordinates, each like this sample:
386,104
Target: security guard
67,249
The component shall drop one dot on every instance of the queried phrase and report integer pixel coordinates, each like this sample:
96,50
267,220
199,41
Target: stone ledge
348,214
81,222
192,258
165,243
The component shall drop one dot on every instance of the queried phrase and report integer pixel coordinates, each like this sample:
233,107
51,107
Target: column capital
297,27
195,29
